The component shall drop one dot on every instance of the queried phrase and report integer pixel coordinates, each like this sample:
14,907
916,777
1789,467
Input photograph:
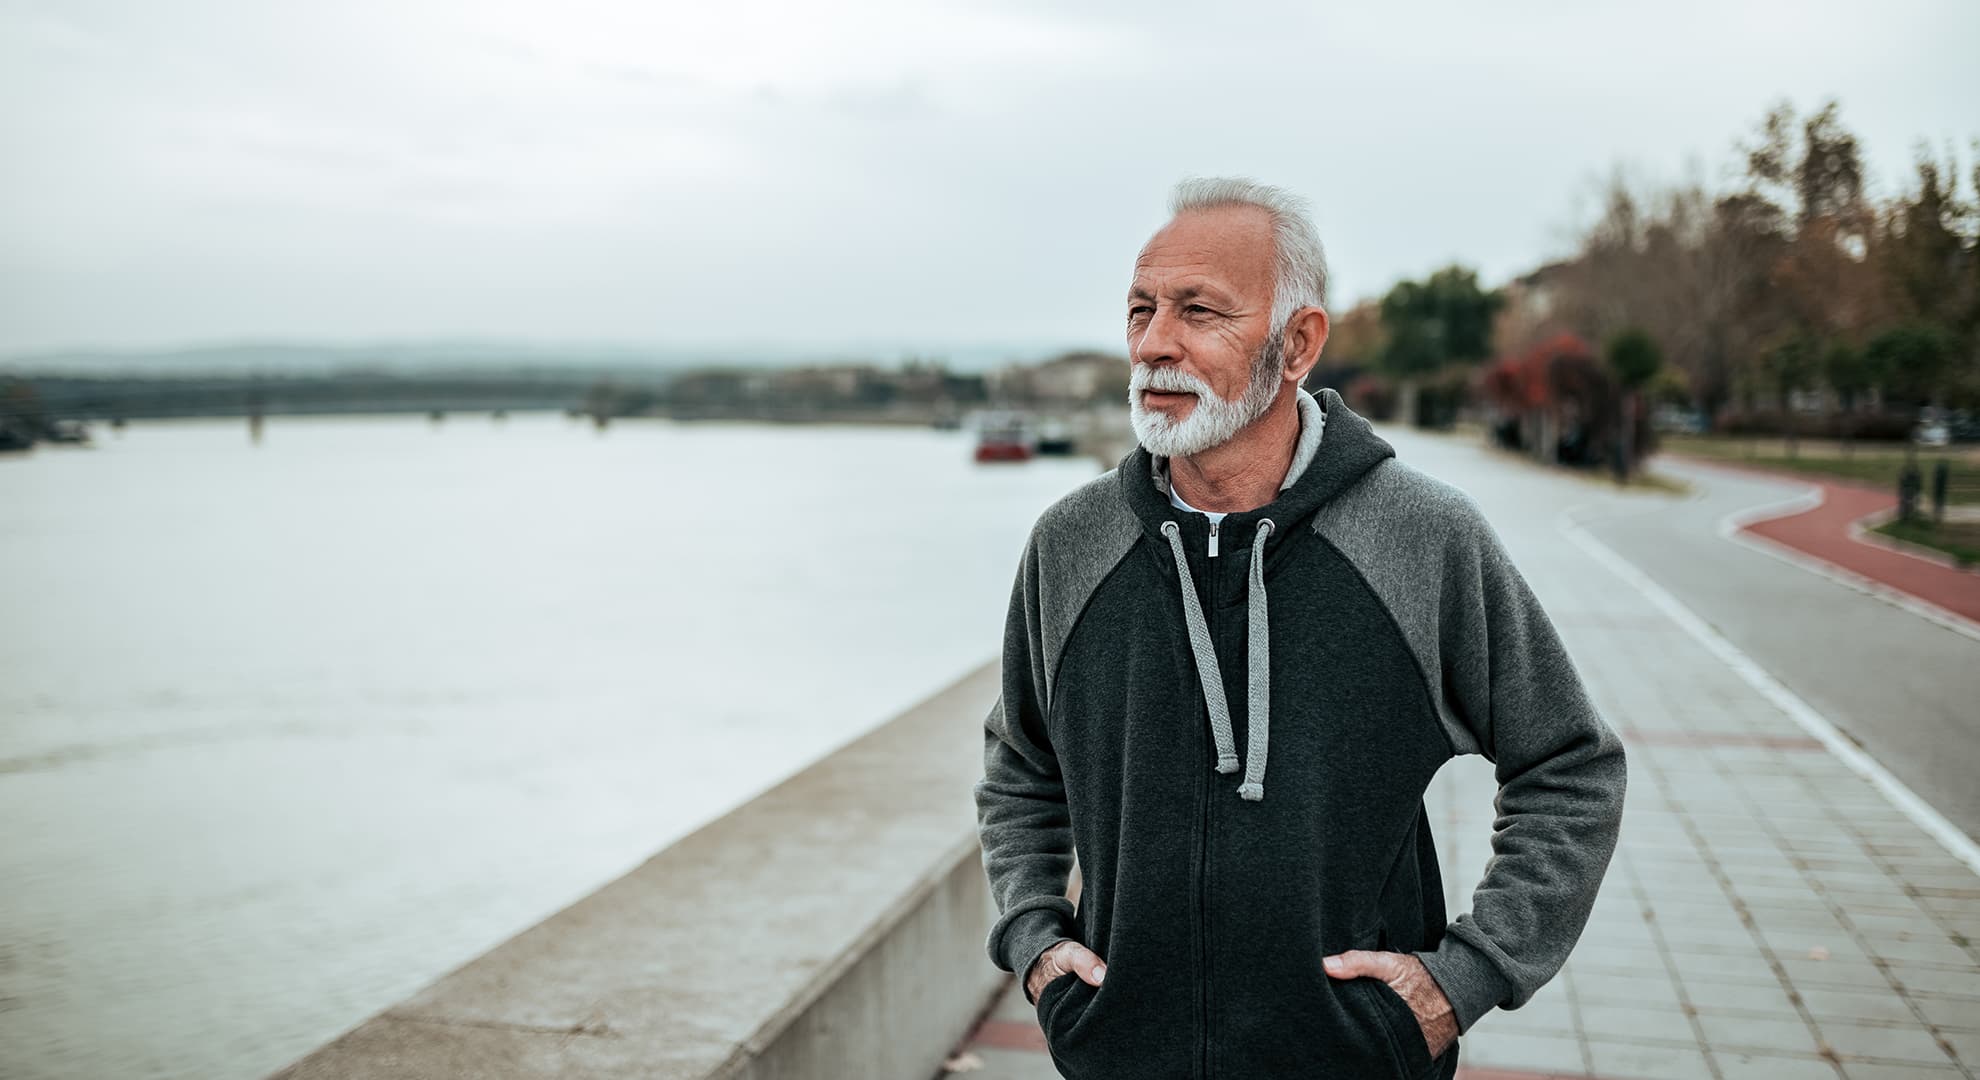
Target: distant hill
304,359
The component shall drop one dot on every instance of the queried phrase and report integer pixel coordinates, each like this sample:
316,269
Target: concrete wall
832,927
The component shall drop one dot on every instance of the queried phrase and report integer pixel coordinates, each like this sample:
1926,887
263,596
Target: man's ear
1306,335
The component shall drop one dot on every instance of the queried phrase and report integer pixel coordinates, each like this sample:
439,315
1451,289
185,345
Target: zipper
1203,866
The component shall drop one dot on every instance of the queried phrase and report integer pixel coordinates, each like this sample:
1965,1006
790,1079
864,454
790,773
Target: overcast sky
888,174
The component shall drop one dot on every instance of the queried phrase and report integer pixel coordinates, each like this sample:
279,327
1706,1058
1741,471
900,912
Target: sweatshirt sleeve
1561,775
1021,813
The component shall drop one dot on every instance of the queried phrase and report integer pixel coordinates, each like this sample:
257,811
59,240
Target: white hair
1301,277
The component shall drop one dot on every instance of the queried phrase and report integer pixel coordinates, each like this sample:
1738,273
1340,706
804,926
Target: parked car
1680,419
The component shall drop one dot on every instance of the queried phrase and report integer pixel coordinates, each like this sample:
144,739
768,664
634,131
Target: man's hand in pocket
1407,976
1067,955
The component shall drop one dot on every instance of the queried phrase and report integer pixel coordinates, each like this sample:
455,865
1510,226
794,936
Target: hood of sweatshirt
1336,447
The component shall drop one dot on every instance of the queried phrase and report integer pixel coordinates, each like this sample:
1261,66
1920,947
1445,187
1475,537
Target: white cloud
889,170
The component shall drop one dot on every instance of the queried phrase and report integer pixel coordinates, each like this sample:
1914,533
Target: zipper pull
1213,538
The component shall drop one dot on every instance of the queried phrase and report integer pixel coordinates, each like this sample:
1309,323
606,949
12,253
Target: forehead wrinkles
1168,262
1207,253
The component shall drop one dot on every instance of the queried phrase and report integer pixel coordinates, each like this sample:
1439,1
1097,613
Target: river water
289,729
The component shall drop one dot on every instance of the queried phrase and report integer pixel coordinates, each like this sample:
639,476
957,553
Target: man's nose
1156,341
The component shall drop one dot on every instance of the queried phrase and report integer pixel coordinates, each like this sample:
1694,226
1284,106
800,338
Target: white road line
1948,835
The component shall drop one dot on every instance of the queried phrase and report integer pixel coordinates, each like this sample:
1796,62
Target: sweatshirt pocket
1058,1008
1400,1027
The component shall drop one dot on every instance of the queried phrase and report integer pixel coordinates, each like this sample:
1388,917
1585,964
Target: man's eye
1197,309
1139,312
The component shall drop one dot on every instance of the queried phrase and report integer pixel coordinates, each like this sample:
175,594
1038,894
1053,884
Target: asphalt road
1905,688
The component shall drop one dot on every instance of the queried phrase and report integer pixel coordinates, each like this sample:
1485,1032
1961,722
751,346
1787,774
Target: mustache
1146,377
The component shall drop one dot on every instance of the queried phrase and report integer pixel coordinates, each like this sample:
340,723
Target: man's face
1206,360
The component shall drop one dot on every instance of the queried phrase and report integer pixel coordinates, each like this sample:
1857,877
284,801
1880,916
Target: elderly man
1241,581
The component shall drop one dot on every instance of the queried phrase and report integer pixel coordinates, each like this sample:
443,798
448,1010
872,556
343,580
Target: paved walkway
1769,911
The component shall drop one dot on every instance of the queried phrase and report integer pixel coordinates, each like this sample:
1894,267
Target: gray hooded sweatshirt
1237,745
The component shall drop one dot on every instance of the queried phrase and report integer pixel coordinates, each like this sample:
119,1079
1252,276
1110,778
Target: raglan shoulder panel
1079,540
1407,531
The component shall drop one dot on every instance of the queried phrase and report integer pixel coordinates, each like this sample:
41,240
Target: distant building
1069,380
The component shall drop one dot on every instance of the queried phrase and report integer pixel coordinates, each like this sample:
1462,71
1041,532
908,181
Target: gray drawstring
1206,656
1258,662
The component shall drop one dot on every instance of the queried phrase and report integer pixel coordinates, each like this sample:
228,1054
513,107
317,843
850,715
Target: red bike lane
1824,533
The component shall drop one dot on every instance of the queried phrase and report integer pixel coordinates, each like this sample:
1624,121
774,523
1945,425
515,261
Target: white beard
1214,420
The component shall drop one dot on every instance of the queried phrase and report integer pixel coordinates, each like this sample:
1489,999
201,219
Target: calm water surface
288,730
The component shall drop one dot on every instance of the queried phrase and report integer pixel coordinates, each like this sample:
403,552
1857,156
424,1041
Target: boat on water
1003,436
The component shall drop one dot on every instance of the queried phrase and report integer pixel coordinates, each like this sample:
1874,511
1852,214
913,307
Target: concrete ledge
831,927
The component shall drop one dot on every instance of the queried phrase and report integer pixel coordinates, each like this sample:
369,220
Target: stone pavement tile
1749,966
1965,1044
1843,974
1753,886
1908,849
1868,879
1631,960
1704,936
1881,922
1854,861
1739,1065
1888,902
1950,1012
1833,946
1869,1003
1637,1023
1707,918
1957,907
1700,889
1929,948
1932,873
1682,950
1649,992
1800,908
1521,1051
1825,843
1857,1070
1895,1043
1935,979
1743,998
1645,1061
1918,925
1760,857
1810,918
1775,1035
